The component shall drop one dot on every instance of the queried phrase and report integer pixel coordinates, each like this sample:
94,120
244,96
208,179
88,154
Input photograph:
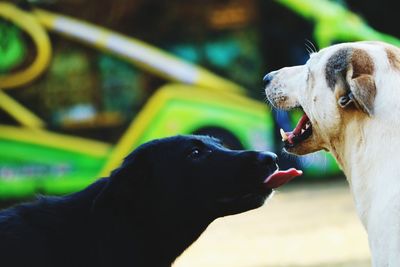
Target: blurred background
82,83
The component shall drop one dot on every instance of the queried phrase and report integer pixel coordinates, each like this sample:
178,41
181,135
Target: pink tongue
279,178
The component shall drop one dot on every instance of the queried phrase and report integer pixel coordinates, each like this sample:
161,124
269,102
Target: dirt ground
303,224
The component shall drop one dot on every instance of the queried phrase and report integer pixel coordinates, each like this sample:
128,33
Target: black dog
146,213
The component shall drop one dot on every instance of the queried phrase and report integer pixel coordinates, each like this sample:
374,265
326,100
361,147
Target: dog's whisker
313,48
308,49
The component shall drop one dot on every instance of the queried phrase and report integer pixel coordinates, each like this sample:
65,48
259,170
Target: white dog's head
337,88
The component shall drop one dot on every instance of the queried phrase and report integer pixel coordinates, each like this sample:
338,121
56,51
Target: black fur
146,213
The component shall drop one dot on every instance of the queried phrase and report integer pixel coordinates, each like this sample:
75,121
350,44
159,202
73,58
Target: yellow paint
30,25
46,19
42,137
19,112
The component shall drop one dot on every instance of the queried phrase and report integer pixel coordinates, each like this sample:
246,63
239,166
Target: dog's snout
268,158
259,158
268,78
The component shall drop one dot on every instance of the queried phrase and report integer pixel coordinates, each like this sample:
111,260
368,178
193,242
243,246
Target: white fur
368,150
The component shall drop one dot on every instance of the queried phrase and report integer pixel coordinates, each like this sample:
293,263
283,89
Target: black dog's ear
124,183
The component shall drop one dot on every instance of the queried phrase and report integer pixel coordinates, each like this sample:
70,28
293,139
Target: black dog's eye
195,152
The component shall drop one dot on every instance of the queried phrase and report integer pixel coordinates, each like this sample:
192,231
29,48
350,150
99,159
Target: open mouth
301,132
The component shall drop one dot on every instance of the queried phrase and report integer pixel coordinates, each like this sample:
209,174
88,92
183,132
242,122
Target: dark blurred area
381,15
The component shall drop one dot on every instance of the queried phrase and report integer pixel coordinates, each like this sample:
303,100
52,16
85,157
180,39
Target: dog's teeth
284,135
302,131
307,125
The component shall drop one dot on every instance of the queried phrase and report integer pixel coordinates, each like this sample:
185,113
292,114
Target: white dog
350,94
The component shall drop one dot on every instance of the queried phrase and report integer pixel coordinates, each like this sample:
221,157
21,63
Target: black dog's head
192,174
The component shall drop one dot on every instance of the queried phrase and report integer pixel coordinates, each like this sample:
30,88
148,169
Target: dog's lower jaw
231,206
310,145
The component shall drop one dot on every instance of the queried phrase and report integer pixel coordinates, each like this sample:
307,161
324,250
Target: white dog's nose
268,78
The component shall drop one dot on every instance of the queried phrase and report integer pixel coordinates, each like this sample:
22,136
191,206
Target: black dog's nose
268,157
268,78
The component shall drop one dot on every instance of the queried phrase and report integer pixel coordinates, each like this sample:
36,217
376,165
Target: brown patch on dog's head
361,81
393,57
362,63
349,73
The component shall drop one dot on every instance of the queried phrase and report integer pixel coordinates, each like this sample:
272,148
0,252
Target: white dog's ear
362,88
349,72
